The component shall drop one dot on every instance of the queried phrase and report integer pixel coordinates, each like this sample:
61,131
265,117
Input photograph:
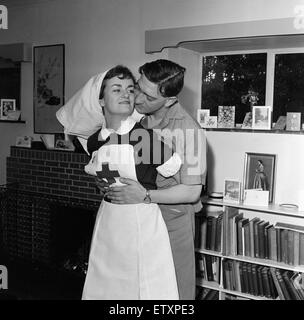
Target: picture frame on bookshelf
259,172
232,190
201,116
7,106
261,117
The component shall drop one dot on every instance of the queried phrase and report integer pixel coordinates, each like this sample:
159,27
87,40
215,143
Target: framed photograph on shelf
211,122
232,190
293,121
48,87
24,141
202,114
259,172
61,143
261,117
7,106
226,117
57,142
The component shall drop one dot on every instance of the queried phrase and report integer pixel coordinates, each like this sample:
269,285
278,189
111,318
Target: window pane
288,84
10,81
225,79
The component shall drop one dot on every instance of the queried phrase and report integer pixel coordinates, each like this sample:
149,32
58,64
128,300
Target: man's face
148,100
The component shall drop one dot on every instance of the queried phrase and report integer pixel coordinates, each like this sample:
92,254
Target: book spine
296,249
291,289
282,285
290,245
203,233
301,257
256,240
266,284
276,283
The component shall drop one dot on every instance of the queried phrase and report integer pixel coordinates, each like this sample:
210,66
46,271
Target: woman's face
118,96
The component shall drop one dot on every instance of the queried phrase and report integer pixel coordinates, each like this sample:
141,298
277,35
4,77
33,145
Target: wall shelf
254,130
13,121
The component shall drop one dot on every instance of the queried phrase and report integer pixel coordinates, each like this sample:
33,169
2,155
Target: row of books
208,267
262,281
208,232
259,239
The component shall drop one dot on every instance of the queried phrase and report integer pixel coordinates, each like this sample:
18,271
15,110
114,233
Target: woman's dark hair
168,75
119,71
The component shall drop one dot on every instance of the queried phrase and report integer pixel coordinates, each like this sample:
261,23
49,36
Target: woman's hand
131,192
102,185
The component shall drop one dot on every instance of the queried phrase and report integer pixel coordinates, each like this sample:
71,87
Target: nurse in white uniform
130,256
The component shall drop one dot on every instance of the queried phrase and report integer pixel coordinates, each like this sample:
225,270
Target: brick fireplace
50,215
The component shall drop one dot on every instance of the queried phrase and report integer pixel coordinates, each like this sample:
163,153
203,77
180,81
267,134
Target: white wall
159,14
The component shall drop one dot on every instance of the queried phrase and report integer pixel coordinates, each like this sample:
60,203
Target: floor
33,283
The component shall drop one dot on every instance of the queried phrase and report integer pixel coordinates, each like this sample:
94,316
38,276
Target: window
288,84
276,76
10,80
227,78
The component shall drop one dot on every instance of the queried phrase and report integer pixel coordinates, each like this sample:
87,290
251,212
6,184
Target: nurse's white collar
126,126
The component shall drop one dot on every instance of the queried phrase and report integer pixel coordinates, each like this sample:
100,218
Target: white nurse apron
130,256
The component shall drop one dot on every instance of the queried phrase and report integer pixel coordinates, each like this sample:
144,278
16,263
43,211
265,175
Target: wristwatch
147,198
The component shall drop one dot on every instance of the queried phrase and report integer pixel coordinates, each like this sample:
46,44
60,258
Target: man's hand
102,185
132,192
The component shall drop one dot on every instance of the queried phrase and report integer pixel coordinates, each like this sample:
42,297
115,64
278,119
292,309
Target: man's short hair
119,71
168,75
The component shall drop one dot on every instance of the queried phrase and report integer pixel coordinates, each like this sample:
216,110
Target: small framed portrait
261,117
7,106
24,141
202,114
232,190
259,172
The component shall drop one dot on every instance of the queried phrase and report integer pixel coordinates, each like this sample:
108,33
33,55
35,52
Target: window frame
270,68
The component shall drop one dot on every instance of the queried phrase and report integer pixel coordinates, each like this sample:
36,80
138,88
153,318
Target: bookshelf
250,252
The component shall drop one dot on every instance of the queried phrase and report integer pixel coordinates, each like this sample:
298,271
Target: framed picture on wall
49,63
259,172
7,106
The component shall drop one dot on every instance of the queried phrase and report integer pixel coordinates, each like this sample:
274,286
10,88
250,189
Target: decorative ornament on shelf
252,97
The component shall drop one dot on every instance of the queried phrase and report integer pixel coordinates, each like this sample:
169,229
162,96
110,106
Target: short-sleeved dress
130,255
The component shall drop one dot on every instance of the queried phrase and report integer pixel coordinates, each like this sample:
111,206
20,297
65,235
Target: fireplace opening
45,239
